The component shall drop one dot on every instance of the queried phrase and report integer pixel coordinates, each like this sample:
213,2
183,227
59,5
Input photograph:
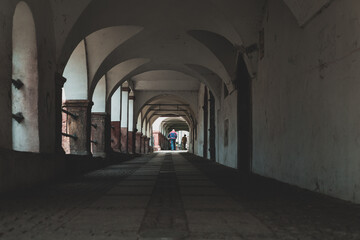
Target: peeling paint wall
306,100
227,139
45,42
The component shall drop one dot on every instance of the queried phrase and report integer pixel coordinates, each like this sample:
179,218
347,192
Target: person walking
172,136
183,142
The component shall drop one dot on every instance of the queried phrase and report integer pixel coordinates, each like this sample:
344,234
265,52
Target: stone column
147,140
138,142
157,141
131,125
77,126
124,118
100,134
59,84
115,136
115,121
142,144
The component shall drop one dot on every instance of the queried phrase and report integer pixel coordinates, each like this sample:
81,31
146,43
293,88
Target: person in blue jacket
172,136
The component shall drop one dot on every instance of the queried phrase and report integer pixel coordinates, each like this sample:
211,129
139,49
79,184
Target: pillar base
142,144
77,126
124,140
147,147
100,134
115,136
100,154
130,142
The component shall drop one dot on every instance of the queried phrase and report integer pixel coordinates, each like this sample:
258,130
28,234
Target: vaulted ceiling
164,44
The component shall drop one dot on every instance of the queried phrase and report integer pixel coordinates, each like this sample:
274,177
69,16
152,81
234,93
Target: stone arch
222,48
76,73
203,74
25,132
116,75
99,96
144,110
87,56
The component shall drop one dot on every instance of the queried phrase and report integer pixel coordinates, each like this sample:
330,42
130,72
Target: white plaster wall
306,101
143,129
99,97
116,105
131,114
76,86
227,155
25,135
199,141
157,126
124,108
138,123
101,43
148,130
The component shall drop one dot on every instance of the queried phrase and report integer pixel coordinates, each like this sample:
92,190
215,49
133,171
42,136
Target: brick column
131,125
100,134
124,118
115,120
157,141
147,140
142,144
130,142
138,136
78,126
115,136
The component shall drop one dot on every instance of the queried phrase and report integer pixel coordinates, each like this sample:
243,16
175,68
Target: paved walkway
174,196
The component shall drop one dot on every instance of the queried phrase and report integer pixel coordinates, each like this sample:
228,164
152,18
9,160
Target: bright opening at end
161,134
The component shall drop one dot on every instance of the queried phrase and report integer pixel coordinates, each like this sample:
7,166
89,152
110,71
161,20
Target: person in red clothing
172,136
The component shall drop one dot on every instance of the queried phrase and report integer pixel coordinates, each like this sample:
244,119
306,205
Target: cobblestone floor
174,196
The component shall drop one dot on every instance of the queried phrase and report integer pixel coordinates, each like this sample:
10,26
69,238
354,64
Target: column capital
78,103
132,98
100,114
125,89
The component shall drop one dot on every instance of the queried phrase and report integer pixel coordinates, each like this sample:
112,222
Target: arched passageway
261,89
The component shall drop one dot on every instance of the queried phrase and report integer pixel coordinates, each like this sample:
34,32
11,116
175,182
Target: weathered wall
42,14
306,100
227,153
199,141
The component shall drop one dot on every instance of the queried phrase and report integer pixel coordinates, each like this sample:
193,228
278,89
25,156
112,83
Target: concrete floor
174,196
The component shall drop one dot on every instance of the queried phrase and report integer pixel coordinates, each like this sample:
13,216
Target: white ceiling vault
176,44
